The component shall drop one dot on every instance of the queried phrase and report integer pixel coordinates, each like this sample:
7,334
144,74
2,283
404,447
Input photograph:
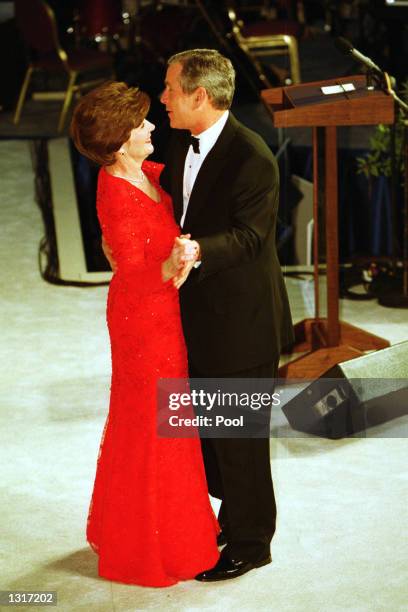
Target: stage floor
341,537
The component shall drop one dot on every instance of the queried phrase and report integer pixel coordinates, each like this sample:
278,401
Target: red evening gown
150,519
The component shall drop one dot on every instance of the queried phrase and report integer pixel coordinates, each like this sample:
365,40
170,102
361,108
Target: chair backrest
36,22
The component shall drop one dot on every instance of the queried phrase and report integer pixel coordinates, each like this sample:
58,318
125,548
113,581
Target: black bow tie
195,143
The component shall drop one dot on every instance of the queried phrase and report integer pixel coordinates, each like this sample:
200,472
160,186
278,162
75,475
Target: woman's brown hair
104,118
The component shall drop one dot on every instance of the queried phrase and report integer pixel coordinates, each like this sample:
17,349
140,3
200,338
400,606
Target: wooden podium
327,339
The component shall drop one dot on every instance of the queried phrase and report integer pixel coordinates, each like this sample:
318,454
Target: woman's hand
180,261
182,275
191,247
174,263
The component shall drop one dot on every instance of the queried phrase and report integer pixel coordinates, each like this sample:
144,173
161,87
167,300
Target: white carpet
341,541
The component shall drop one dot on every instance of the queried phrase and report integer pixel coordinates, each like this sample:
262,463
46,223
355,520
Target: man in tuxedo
225,182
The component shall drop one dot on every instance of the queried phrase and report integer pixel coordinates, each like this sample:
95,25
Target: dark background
139,48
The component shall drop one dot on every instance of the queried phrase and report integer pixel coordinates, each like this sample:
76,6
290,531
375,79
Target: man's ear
200,96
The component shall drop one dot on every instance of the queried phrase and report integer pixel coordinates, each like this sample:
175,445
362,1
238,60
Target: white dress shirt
193,162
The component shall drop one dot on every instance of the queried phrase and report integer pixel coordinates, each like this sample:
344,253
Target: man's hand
108,254
190,254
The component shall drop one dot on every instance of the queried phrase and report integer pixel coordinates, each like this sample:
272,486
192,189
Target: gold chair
264,39
36,22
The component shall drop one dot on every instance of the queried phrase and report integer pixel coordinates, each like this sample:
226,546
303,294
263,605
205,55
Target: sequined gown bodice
150,519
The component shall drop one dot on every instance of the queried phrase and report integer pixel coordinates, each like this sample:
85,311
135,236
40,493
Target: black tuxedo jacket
234,307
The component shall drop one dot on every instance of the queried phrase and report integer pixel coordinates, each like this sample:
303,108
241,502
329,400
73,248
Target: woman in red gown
150,520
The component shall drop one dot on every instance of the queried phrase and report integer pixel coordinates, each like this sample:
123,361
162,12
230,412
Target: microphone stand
385,82
394,298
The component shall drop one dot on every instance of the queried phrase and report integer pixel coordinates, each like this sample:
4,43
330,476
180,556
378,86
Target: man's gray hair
209,69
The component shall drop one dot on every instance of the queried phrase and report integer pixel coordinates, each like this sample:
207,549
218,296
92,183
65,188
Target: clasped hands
178,265
183,256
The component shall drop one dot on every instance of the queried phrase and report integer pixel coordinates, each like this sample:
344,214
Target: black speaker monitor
353,395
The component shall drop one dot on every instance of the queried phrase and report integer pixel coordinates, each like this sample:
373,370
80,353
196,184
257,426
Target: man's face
179,105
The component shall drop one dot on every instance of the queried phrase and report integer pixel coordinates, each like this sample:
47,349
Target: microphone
346,47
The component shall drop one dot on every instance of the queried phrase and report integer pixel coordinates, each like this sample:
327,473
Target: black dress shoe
230,568
221,539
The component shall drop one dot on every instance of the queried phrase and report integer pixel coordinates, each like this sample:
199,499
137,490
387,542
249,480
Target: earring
122,152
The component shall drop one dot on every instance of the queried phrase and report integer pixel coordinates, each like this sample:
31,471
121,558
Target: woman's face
139,145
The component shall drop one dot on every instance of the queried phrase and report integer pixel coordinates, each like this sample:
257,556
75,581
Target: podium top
341,101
